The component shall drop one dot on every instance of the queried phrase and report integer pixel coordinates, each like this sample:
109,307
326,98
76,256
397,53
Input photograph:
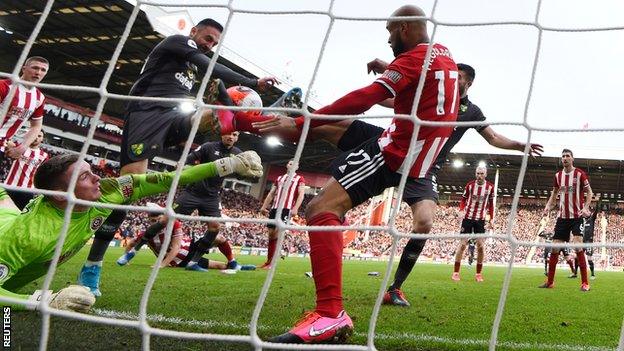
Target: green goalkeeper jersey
28,239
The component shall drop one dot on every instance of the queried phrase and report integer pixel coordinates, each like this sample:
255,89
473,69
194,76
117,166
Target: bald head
405,34
410,10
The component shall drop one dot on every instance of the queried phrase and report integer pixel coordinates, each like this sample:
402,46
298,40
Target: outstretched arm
501,141
130,188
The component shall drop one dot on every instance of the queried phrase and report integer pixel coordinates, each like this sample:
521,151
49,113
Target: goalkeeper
28,239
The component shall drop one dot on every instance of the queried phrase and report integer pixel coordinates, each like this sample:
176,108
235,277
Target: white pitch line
384,336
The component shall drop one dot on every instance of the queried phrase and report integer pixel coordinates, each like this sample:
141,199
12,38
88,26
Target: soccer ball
245,97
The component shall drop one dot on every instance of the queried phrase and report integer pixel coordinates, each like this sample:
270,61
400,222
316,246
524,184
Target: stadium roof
605,176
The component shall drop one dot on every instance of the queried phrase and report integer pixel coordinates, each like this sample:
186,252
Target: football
245,97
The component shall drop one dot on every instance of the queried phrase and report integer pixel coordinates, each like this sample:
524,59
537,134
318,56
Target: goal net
333,18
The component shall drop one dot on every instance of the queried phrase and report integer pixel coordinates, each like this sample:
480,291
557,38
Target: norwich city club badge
463,108
137,149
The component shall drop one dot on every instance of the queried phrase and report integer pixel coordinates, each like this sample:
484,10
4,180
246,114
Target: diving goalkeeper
28,239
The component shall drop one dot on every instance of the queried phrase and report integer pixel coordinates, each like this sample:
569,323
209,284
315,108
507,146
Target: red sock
326,258
456,268
582,262
571,264
243,122
552,266
271,251
479,267
226,250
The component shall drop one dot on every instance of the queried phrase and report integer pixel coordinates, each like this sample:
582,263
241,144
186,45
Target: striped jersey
156,243
27,103
478,199
571,188
439,101
291,193
22,172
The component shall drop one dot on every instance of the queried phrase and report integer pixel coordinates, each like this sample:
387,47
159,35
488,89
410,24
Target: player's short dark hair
49,174
568,151
467,69
36,59
209,22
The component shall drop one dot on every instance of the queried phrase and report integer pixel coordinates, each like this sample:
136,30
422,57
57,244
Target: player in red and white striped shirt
572,187
27,104
478,201
293,198
23,170
375,165
180,250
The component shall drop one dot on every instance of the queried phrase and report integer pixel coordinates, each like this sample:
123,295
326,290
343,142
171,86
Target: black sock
150,232
410,254
591,266
576,265
203,245
105,234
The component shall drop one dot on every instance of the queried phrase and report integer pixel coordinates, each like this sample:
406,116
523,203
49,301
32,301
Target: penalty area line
379,336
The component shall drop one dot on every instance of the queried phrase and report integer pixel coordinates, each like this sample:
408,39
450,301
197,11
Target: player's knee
314,207
219,239
214,226
422,225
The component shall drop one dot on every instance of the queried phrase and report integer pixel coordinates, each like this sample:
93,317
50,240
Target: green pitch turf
444,315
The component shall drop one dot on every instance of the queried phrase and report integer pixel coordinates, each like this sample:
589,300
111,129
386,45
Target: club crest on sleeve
4,271
96,222
393,76
192,43
125,185
137,149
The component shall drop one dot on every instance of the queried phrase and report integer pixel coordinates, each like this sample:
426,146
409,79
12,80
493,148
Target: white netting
252,338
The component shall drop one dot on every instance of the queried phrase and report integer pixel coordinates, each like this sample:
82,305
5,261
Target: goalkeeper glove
72,298
247,164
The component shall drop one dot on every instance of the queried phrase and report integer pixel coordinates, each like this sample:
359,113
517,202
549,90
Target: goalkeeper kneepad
72,298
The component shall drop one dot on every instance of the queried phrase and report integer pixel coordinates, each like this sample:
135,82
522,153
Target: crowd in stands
447,221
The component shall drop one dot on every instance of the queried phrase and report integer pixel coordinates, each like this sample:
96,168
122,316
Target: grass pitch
444,315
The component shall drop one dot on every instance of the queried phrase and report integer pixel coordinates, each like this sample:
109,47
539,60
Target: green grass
444,315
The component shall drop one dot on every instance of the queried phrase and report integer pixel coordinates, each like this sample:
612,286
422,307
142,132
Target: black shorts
150,129
421,189
363,173
285,216
565,226
415,190
358,133
470,226
187,202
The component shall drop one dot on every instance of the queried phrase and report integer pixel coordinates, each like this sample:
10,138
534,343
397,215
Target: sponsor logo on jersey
137,149
184,80
392,76
4,272
192,43
97,222
217,153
